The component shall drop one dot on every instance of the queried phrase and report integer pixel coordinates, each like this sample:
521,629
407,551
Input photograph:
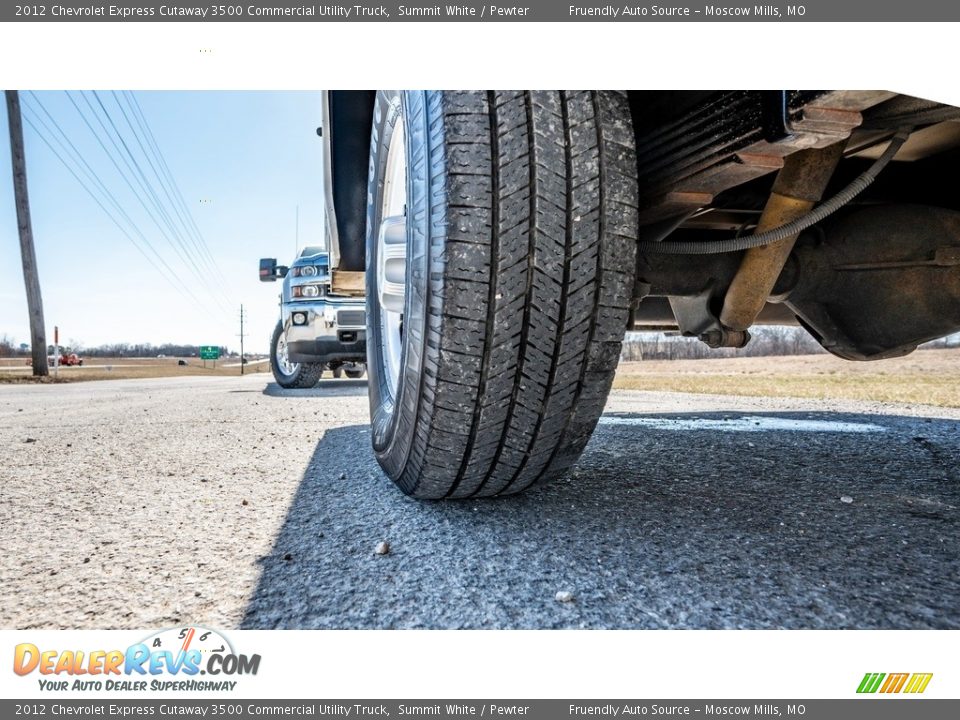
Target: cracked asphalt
228,502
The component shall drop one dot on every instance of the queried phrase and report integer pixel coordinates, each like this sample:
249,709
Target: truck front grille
351,318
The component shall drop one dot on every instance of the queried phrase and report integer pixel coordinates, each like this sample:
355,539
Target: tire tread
529,298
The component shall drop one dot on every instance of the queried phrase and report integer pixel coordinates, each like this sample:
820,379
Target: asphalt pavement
228,502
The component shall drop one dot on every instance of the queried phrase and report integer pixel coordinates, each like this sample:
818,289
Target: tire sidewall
283,380
393,416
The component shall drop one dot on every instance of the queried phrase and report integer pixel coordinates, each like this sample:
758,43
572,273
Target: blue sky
243,162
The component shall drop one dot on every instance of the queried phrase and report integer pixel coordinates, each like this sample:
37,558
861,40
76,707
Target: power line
139,136
77,156
123,175
113,160
137,112
148,188
182,288
137,173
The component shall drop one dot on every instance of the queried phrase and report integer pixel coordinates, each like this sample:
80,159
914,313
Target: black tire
304,376
354,374
521,242
338,372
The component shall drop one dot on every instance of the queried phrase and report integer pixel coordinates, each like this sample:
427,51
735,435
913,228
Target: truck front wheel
501,242
290,374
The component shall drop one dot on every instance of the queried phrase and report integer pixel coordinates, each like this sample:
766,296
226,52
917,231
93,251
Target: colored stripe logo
912,683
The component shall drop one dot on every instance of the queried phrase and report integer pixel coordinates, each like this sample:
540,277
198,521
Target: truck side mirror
270,271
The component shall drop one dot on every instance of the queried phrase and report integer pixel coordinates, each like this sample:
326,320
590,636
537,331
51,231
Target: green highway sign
209,352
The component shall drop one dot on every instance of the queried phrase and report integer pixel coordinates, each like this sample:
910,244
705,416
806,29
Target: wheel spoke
392,264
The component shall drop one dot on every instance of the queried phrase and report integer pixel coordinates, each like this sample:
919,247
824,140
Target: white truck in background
318,330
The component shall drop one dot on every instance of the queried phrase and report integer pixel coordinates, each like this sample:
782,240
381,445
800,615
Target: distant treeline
766,341
145,350
9,348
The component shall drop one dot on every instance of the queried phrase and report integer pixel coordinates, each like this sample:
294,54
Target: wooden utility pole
241,340
38,338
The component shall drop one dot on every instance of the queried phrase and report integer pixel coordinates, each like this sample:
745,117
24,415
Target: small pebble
343,476
846,499
244,502
382,548
564,596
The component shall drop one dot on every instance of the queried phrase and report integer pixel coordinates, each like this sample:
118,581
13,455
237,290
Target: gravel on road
228,502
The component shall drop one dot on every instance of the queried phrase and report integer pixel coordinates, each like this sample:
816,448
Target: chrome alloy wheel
283,357
392,256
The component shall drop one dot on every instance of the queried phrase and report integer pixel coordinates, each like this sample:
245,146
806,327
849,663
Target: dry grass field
929,377
16,370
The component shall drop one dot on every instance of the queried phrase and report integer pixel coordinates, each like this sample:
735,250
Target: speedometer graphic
183,639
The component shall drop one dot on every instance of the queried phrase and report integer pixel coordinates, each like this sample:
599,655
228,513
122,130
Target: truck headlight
307,291
307,270
299,318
